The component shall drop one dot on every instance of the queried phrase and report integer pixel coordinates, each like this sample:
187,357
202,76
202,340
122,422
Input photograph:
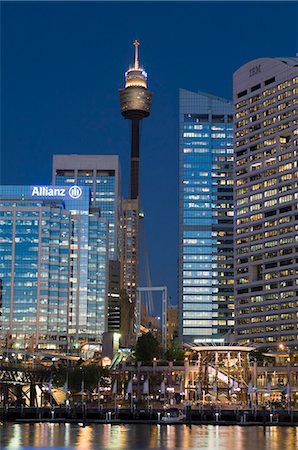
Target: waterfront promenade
85,414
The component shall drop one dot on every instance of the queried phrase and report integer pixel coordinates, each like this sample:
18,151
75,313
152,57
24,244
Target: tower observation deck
135,103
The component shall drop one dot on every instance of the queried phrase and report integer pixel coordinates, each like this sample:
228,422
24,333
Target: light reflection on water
117,437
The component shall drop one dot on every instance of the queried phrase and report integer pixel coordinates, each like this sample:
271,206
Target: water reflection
84,441
14,437
142,436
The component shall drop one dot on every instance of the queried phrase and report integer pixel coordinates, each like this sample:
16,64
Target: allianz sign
74,192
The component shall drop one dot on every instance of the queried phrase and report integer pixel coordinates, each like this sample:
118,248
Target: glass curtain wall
205,217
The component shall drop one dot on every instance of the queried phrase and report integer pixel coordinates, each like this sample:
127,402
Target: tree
175,352
90,374
147,348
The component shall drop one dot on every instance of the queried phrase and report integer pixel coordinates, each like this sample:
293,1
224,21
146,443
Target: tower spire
136,44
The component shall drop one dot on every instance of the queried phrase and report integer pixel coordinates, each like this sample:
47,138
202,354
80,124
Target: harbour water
44,436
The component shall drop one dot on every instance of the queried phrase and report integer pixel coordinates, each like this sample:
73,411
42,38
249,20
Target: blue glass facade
205,217
101,174
97,275
50,244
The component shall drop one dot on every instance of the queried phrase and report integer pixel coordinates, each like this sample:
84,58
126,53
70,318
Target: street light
170,391
288,391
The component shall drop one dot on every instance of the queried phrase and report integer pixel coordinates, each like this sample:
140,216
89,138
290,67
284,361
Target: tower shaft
135,159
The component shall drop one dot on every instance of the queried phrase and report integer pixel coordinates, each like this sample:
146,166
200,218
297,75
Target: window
284,85
270,192
241,94
269,81
255,87
270,203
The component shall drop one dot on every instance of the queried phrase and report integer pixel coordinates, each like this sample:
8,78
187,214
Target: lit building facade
101,174
265,95
53,268
130,247
114,297
205,217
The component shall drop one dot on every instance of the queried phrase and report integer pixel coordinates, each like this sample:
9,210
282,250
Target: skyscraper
265,95
135,103
205,217
101,174
53,267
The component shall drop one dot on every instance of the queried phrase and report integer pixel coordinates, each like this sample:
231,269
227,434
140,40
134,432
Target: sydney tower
135,103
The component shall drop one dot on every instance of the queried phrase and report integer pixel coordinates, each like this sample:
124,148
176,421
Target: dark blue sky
62,64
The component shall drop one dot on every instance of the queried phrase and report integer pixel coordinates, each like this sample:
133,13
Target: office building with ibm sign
265,197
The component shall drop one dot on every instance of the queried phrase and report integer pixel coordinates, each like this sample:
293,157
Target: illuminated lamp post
289,367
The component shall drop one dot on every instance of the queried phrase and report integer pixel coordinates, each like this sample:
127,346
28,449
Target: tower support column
135,158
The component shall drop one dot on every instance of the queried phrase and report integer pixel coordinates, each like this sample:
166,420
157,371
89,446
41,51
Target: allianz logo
74,192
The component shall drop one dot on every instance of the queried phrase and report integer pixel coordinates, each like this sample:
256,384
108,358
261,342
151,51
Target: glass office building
53,267
101,174
205,217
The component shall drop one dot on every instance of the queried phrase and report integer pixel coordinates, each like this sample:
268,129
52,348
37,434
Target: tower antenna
136,44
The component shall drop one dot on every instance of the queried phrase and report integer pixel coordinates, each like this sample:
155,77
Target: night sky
62,64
